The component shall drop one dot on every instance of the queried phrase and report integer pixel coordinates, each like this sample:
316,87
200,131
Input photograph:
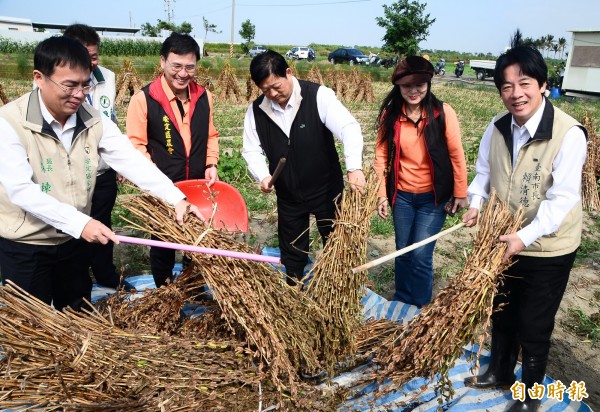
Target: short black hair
180,44
83,33
59,51
265,64
530,61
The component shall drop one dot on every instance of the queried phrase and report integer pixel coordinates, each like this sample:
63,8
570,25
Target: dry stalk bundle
431,342
278,320
80,361
75,361
128,82
229,90
156,311
3,97
336,80
591,168
252,90
364,90
332,286
314,75
203,78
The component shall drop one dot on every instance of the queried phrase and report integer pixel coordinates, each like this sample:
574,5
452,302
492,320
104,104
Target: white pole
232,28
404,250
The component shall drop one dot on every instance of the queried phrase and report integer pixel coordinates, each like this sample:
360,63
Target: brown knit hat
413,69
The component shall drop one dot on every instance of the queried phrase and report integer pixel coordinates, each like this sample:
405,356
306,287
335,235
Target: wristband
210,165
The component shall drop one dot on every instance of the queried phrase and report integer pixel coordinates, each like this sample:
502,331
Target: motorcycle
460,68
389,62
374,59
440,67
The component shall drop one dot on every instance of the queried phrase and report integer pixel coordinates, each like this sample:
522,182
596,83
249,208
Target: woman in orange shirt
420,158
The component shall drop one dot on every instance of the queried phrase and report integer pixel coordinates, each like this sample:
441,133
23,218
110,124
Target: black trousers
103,201
161,263
532,291
54,274
292,228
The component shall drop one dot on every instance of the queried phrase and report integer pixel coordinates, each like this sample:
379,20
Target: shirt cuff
173,196
476,201
528,235
75,229
353,164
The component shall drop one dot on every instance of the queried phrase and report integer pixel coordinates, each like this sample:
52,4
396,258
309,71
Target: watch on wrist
208,166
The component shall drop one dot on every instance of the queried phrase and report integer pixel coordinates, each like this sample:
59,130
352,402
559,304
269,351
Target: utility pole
169,10
232,28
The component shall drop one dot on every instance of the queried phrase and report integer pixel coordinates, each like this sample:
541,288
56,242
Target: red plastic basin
231,213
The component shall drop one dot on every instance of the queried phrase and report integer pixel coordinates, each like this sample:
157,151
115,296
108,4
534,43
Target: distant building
24,30
582,71
15,24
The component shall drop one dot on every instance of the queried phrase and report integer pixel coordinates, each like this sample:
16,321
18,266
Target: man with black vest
296,120
533,156
171,122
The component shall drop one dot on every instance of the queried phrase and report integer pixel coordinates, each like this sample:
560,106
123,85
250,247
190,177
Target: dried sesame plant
277,319
589,182
332,286
81,362
433,340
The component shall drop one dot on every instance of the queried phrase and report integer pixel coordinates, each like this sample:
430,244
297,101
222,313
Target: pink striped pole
198,249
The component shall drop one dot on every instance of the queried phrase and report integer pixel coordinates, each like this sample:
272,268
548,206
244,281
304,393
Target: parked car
298,53
256,50
349,55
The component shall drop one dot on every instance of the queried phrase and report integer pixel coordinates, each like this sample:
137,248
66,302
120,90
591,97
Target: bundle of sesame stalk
332,285
278,320
80,361
591,169
431,342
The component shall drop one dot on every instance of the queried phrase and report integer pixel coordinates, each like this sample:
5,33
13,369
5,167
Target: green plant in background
257,201
383,227
232,168
24,67
585,326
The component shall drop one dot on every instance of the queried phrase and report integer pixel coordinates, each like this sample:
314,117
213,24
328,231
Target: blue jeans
416,217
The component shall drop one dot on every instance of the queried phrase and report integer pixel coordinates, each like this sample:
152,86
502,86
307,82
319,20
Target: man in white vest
533,156
102,98
53,143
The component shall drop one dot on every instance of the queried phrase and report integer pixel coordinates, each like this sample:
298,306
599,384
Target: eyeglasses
190,68
73,90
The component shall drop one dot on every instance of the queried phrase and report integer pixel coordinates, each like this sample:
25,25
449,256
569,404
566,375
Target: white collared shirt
567,166
115,148
334,115
64,134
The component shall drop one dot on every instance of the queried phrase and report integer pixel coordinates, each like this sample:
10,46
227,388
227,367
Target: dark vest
313,167
440,165
165,144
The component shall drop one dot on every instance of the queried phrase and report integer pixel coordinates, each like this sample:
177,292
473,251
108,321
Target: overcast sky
462,25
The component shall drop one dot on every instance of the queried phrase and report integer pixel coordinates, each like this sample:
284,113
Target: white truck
483,68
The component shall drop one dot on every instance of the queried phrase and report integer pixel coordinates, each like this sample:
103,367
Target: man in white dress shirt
533,156
52,145
296,120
